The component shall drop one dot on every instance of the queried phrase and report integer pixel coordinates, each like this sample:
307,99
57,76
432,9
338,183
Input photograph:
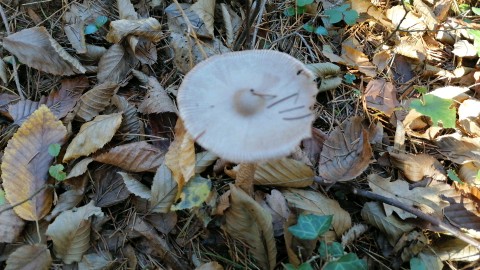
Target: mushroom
248,106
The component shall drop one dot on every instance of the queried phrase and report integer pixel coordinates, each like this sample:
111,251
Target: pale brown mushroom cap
248,106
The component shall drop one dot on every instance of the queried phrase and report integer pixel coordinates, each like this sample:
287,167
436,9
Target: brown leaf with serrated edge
132,126
381,95
180,158
163,222
317,203
135,187
157,99
247,221
115,64
416,167
26,162
148,28
93,135
346,153
34,257
134,157
164,190
11,225
36,48
96,100
109,187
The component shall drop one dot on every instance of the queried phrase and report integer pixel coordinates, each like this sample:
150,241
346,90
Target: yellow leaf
26,162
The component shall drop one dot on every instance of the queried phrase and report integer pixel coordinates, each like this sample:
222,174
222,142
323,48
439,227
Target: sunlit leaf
311,226
438,109
194,193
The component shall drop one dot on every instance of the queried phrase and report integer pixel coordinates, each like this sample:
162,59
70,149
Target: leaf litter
389,177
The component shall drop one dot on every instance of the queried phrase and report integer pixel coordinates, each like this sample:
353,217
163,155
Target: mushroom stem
244,179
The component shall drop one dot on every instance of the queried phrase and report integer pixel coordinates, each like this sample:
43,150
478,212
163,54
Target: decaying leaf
36,48
427,199
66,201
93,135
96,100
247,221
135,186
79,168
359,60
381,95
132,126
115,64
316,203
276,205
126,10
134,157
93,261
205,10
26,161
365,6
203,160
148,28
11,225
346,153
469,173
456,250
70,232
30,257
469,116
416,167
194,193
164,190
353,233
459,149
157,99
110,189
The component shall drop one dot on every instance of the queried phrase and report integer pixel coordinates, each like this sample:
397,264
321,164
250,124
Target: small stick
259,20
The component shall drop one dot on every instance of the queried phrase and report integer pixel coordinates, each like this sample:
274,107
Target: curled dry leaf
66,201
30,257
382,96
164,190
426,199
135,187
36,48
412,22
319,204
79,168
416,167
148,28
115,64
469,116
11,225
26,162
358,60
134,157
427,14
93,135
459,149
346,153
70,232
96,100
247,221
157,99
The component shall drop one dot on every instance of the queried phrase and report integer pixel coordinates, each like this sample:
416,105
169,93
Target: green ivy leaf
438,109
289,12
90,29
311,226
417,264
302,3
308,27
2,197
349,78
453,175
303,266
334,249
476,10
350,17
54,149
100,21
56,171
334,16
320,30
194,193
349,261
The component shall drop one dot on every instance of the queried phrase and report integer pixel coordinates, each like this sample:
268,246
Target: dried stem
244,179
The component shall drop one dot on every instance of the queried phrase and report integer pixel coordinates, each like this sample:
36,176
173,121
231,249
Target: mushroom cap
248,106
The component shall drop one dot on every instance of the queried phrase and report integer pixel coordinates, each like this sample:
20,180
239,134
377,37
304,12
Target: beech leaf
30,257
96,100
11,225
115,64
164,190
135,186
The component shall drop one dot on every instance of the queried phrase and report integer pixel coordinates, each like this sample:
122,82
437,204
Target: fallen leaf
143,49
246,220
210,266
364,6
203,160
411,22
164,190
427,14
70,232
193,194
163,222
135,187
110,188
463,48
346,153
310,226
115,64
79,168
133,157
96,261
148,28
412,48
11,225
26,161
416,167
327,51
96,100
382,96
459,149
277,206
205,10
456,250
132,126
3,71
157,99
381,59
438,109
66,201
30,257
36,48
93,135
469,116
126,10
359,60
469,173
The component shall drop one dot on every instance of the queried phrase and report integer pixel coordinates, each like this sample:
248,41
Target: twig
248,24
259,21
14,62
433,220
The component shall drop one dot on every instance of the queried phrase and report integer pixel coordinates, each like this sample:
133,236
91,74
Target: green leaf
478,175
350,17
334,16
308,27
54,149
2,197
476,10
349,78
100,21
342,8
334,249
302,3
56,171
311,226
301,10
420,89
194,193
438,109
464,8
417,264
90,29
349,261
303,266
320,30
453,175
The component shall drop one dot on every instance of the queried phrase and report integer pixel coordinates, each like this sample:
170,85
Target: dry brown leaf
358,60
205,10
109,186
79,168
416,167
456,250
365,6
143,49
126,10
164,190
469,116
381,59
101,260
36,48
163,222
133,157
3,71
328,52
277,206
355,232
410,23
178,25
246,221
317,203
76,35
232,23
210,266
346,153
96,100
427,14
66,201
115,64
312,147
93,135
135,187
157,99
413,48
11,225
132,126
30,257
459,149
70,232
180,158
382,96
148,28
468,173
463,48
26,162
426,199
